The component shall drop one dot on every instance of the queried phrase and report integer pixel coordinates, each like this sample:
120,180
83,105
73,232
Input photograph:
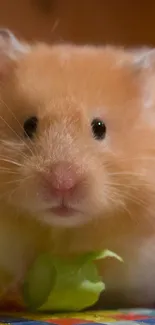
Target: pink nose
63,178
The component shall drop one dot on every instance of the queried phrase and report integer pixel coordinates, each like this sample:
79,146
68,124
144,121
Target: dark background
125,22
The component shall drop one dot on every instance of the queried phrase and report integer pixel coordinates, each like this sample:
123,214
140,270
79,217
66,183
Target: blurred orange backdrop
127,22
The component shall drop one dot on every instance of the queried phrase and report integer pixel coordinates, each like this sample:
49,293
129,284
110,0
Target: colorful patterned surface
124,317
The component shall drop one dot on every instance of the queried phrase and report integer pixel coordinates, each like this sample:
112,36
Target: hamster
77,161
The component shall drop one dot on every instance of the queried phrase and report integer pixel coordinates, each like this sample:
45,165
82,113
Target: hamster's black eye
98,128
30,126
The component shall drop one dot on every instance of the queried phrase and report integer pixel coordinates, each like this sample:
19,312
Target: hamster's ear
10,45
144,69
144,59
10,50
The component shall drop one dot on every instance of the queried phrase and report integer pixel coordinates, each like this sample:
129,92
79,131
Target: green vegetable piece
100,256
64,285
40,281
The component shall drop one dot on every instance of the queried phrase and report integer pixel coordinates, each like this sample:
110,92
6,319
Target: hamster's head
77,133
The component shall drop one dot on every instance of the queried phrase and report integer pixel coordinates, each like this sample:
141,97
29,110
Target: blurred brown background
127,22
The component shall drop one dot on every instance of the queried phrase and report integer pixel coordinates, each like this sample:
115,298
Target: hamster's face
77,141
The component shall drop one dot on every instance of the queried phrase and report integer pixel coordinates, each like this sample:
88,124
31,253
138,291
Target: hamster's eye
98,128
30,126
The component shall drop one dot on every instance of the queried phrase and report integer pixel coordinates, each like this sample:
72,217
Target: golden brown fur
66,87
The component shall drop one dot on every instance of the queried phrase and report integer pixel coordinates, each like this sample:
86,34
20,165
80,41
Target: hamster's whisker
131,198
11,161
16,119
17,135
134,200
18,184
132,218
5,158
5,168
18,155
23,179
130,173
127,186
15,181
112,197
134,186
7,171
12,146
130,159
138,158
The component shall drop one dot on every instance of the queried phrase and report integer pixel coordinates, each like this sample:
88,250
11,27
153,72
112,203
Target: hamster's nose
62,178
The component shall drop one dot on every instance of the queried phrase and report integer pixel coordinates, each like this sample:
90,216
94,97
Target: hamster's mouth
63,216
63,211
